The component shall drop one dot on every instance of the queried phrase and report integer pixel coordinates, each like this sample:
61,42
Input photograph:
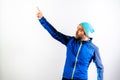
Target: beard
78,36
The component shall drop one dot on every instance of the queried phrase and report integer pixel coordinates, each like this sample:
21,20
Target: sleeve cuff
40,19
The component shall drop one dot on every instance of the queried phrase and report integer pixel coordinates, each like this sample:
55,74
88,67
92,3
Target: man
80,50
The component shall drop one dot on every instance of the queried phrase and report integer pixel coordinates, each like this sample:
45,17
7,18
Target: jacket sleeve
53,32
99,65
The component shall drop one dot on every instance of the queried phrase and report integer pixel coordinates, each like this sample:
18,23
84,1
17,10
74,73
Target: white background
28,52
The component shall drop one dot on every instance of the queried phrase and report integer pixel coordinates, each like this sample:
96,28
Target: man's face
80,32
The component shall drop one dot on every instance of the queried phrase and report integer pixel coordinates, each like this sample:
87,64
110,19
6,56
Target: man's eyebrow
80,28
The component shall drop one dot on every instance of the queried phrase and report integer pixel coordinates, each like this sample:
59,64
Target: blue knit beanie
87,27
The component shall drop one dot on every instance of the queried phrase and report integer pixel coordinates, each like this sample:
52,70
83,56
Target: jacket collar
89,40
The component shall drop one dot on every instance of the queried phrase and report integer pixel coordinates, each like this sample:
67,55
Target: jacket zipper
76,59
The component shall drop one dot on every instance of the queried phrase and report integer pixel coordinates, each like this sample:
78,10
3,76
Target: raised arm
99,65
53,32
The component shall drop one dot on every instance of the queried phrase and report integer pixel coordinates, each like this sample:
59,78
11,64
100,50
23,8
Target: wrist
41,18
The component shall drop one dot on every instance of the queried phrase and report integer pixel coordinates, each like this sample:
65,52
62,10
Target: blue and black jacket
79,54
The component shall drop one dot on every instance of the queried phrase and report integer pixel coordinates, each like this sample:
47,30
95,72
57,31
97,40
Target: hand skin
39,13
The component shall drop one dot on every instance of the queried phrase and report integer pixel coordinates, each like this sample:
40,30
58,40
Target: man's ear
84,32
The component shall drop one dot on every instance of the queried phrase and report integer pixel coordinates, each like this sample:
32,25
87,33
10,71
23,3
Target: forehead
79,27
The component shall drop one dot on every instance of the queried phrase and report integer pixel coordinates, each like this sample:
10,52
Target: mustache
78,36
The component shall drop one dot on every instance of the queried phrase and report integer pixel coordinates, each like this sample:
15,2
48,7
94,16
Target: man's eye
80,29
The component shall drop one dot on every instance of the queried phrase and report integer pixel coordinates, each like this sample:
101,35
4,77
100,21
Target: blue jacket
79,54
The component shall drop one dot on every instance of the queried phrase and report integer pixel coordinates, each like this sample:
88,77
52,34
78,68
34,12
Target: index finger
38,9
